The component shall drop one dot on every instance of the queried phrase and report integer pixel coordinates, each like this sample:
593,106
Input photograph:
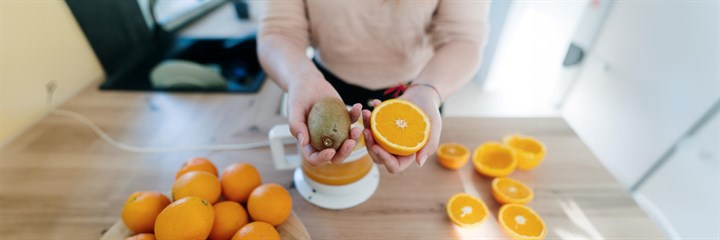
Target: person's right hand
302,95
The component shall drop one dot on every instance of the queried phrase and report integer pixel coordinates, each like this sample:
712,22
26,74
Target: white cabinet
683,194
653,72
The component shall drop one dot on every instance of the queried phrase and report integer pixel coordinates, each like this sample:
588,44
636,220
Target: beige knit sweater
375,43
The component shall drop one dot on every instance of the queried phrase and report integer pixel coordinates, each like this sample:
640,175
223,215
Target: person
367,51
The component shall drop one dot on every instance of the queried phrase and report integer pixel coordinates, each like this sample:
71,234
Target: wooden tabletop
60,181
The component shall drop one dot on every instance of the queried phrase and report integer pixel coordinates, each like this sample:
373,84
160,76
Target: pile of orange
204,206
498,160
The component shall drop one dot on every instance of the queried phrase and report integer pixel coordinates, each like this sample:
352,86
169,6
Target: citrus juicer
330,186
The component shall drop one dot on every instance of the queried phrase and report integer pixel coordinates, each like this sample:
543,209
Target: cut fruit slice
466,211
507,190
494,160
521,222
399,127
529,152
453,155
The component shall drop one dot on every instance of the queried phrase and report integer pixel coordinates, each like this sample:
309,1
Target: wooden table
60,181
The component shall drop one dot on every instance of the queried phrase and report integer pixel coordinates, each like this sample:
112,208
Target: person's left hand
427,100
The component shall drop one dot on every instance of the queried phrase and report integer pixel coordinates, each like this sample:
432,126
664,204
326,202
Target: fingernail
423,159
365,134
300,138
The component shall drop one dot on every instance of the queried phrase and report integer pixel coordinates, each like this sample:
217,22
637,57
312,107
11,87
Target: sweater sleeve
460,20
287,18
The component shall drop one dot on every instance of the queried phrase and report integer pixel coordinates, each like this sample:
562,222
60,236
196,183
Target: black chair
128,49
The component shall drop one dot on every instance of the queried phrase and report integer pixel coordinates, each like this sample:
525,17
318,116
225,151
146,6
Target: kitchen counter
60,180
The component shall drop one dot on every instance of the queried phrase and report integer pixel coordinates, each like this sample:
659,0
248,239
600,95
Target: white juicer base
337,197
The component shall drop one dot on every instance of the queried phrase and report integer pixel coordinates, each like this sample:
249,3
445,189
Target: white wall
532,48
497,16
40,41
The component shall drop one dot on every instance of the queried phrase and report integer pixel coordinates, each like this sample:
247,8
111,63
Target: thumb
298,127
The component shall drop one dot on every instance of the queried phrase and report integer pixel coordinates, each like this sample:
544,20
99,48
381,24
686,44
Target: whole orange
229,218
188,218
142,236
141,209
238,181
270,203
257,231
197,164
199,184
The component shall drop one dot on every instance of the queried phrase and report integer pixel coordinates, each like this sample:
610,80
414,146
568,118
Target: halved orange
507,190
521,222
494,160
453,155
399,127
466,211
528,151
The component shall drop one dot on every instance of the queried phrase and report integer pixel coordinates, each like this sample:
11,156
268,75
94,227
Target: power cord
137,149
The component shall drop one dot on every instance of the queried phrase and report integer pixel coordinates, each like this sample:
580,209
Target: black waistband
351,93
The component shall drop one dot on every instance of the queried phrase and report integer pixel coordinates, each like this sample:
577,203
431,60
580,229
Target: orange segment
453,155
528,151
466,211
507,190
494,160
399,127
521,222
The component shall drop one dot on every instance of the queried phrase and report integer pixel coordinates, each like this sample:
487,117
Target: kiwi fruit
328,123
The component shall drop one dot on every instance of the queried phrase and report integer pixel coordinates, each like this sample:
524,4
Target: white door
653,72
683,194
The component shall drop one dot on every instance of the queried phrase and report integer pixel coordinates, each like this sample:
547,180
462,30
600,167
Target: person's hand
427,100
301,97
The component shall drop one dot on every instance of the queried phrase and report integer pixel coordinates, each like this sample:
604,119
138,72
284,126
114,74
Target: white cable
131,148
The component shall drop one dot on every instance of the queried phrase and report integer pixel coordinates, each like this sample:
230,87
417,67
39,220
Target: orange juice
353,169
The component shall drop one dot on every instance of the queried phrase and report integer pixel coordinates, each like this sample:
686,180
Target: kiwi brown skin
328,123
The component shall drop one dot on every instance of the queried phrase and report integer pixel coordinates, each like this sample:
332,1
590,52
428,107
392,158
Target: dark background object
128,49
574,55
242,9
